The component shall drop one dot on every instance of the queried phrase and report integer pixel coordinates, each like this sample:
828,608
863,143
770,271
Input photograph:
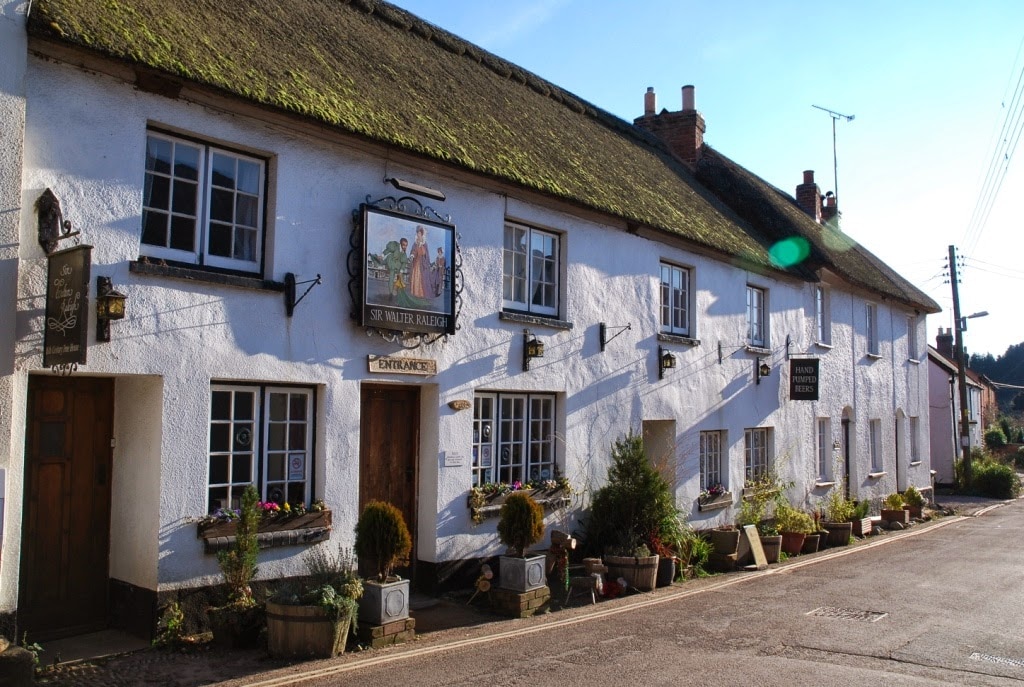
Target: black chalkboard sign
67,307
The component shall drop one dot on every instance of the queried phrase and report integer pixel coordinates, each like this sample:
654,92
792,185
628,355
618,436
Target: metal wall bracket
290,301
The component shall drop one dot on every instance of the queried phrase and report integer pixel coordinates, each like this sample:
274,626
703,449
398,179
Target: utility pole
961,363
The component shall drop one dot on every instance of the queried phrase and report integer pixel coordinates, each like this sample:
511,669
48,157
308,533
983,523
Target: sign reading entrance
402,366
803,379
67,301
408,283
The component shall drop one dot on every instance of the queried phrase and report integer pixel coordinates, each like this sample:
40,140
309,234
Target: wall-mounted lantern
666,361
761,369
532,348
109,306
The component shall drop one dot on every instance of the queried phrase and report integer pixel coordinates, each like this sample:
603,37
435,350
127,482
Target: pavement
114,658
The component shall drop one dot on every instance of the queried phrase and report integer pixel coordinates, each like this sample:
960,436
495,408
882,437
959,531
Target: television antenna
835,165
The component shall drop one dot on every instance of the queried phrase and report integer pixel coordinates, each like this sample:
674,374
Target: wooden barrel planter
666,571
810,543
839,533
305,631
772,545
639,572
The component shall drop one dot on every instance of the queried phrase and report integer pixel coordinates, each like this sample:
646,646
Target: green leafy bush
995,480
995,437
836,507
893,501
789,519
383,538
633,508
520,523
913,497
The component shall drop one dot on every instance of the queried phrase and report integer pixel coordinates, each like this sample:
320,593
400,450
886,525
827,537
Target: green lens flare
790,252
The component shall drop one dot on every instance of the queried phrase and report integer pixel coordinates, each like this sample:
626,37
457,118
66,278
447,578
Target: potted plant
634,506
892,509
759,496
913,500
237,623
862,524
520,526
794,525
382,540
838,512
314,619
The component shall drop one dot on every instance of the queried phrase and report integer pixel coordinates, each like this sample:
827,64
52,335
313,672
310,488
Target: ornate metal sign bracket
53,228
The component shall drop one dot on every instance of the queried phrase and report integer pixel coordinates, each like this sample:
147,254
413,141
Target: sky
931,85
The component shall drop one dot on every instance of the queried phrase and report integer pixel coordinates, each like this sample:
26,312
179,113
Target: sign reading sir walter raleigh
407,276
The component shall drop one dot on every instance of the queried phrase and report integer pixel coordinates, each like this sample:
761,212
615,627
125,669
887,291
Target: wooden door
66,515
388,441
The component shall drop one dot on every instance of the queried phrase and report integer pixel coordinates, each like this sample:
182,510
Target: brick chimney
830,210
682,132
808,196
944,342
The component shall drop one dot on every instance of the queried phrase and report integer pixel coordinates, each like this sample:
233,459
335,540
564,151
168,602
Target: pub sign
803,379
407,274
65,328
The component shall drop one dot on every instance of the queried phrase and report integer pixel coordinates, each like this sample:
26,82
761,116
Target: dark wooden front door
66,516
388,440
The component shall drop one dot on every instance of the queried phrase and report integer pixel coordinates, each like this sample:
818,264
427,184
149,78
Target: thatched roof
375,71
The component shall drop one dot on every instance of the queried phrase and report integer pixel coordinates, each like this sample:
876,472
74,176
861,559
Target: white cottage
340,233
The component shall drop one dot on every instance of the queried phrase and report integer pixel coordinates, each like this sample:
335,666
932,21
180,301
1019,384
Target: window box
709,502
279,530
483,506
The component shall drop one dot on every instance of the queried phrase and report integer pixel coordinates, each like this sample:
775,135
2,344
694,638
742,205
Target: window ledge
142,266
535,320
877,475
915,463
490,505
678,339
758,350
873,356
822,344
282,530
824,485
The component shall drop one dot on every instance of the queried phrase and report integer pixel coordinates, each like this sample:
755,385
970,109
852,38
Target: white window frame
871,333
823,429
675,288
713,469
915,442
875,444
822,315
269,465
757,316
757,453
525,277
514,437
200,216
912,351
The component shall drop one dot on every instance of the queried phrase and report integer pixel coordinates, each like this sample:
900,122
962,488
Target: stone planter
810,543
706,503
306,631
725,542
384,602
772,545
793,542
640,572
522,574
839,533
902,516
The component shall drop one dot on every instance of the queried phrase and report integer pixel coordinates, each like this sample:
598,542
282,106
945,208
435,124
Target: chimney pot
808,176
650,101
688,100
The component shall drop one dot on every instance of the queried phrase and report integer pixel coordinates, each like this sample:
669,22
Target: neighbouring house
944,408
358,257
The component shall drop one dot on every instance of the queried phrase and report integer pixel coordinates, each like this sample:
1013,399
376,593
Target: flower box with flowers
485,501
714,498
287,525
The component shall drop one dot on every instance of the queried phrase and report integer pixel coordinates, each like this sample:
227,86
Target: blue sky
929,83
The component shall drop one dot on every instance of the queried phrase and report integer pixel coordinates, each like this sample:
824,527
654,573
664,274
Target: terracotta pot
793,542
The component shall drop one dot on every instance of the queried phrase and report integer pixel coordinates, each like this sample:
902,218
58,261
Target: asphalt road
937,606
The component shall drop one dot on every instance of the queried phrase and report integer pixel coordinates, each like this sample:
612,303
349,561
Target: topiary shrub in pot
383,541
635,506
238,623
794,525
913,500
520,526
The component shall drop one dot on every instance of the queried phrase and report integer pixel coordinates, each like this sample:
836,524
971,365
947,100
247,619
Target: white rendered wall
85,139
943,405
